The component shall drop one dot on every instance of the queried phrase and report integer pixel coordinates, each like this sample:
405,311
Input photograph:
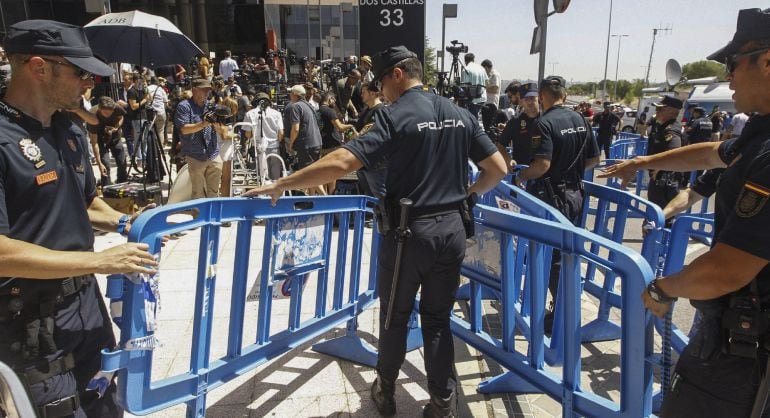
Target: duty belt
12,295
435,210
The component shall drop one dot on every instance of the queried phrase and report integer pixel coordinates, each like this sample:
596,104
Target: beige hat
366,59
297,89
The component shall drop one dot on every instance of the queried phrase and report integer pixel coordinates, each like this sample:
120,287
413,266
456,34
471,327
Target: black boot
383,395
439,407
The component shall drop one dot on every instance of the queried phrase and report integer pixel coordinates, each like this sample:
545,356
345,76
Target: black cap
48,37
555,81
528,90
692,104
388,58
607,105
753,25
670,102
699,109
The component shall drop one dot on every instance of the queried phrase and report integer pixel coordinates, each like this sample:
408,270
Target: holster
747,327
466,213
385,219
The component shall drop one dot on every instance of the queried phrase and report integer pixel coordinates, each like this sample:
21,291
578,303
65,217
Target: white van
710,95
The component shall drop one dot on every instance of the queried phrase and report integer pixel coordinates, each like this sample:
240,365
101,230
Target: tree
429,66
700,69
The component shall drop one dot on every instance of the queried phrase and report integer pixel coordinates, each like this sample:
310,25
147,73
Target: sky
501,30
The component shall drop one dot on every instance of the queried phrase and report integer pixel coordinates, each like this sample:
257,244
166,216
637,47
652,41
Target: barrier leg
349,347
506,383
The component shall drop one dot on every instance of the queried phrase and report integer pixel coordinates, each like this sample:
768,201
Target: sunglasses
732,60
81,73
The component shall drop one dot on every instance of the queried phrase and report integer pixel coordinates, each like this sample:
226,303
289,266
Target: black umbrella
139,38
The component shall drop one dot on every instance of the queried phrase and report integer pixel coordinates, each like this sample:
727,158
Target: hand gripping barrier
298,228
525,359
611,211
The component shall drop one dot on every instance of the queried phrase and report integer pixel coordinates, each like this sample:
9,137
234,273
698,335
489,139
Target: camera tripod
451,78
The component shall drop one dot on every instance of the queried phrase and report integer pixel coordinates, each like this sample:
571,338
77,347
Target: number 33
396,20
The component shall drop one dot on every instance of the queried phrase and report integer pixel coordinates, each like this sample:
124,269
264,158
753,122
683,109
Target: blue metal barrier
284,225
611,209
527,373
684,228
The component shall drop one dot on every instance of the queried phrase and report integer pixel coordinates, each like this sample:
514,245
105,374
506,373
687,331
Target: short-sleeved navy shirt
331,138
45,203
424,141
741,214
518,135
700,130
309,132
562,133
608,123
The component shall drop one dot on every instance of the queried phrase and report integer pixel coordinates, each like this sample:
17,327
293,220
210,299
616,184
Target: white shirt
477,76
738,123
494,80
227,67
159,99
272,122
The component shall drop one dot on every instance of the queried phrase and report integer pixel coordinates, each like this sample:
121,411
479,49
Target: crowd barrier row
297,242
509,257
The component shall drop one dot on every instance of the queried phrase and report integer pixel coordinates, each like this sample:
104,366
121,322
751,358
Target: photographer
266,124
344,89
196,122
476,75
105,138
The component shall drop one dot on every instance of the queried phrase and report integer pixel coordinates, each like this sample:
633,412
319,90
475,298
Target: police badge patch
536,141
30,150
751,200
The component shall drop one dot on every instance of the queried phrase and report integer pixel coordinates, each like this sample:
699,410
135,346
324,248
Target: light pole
449,10
607,55
617,64
652,48
553,67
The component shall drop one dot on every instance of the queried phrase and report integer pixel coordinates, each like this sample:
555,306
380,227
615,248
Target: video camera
457,48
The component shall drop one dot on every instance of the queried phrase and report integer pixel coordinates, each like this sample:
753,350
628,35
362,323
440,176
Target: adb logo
573,130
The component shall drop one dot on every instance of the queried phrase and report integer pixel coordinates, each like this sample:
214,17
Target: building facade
305,28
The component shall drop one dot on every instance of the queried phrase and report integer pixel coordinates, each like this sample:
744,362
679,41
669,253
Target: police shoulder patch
751,200
535,141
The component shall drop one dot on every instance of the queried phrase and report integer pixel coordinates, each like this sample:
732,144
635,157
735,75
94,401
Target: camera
218,114
457,48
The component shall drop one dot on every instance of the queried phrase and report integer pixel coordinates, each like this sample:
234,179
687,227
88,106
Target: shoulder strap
582,147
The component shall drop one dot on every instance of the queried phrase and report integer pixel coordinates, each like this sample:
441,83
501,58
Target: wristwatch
657,294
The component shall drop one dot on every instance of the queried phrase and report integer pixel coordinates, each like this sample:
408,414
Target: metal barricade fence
606,211
525,359
298,240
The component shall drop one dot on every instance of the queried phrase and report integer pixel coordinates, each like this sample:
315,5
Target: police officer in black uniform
607,122
723,370
698,127
666,134
423,142
53,322
519,131
564,150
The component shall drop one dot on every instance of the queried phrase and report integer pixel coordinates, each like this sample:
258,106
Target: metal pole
617,64
607,55
541,64
443,41
342,33
649,63
307,8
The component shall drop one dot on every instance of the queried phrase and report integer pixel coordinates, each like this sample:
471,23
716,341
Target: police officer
564,149
698,127
519,131
53,321
666,134
720,371
424,142
607,121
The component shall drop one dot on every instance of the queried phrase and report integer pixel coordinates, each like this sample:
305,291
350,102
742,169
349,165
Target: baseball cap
298,90
367,59
201,83
554,80
670,102
753,25
528,90
388,58
49,37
